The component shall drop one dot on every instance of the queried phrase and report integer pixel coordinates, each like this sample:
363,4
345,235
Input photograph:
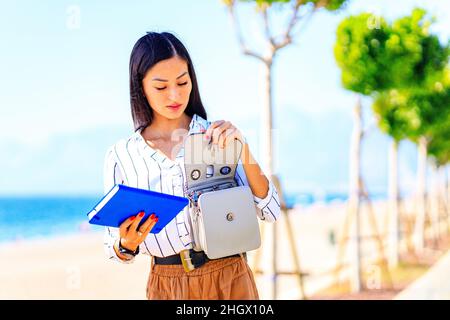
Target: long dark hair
149,50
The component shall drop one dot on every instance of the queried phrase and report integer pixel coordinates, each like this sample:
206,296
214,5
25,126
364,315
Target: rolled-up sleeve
268,208
111,176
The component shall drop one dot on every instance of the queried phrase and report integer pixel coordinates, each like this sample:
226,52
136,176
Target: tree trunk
354,196
266,159
435,205
447,196
394,230
419,228
266,122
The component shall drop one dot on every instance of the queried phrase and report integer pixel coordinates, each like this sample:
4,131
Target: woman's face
168,83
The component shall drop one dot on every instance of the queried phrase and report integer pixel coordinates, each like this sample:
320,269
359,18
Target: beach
75,266
69,267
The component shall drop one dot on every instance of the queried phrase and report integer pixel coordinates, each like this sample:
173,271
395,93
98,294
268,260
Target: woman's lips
174,107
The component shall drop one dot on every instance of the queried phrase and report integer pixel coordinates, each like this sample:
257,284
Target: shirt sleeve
268,208
111,176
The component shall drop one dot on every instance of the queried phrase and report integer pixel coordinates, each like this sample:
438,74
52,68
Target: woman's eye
181,84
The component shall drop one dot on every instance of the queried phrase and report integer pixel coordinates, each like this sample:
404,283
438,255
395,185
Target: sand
75,266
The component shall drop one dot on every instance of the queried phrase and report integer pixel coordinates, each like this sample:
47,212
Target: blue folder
122,202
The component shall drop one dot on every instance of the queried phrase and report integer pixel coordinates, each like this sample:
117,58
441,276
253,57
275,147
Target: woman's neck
163,128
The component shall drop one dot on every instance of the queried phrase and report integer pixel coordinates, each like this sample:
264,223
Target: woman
166,108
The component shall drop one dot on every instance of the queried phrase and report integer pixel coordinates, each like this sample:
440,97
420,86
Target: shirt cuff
110,240
262,202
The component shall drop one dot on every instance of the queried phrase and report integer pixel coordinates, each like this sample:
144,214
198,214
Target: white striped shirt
134,163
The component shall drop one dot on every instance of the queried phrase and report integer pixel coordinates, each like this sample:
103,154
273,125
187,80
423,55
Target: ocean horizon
30,217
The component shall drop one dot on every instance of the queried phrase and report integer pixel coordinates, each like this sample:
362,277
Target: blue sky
64,96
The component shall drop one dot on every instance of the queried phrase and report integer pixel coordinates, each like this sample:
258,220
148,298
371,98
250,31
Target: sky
64,90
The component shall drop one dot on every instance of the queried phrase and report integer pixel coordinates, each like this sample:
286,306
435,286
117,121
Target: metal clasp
186,260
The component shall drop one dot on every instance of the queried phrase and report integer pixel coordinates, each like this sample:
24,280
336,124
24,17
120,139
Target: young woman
166,108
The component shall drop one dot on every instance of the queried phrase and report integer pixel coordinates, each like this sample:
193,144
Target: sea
44,216
23,218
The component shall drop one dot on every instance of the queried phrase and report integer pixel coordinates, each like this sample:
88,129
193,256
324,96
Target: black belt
199,258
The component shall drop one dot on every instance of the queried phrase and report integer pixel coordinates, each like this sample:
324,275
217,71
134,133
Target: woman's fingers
226,137
148,222
213,125
149,227
124,225
217,132
137,221
145,229
130,236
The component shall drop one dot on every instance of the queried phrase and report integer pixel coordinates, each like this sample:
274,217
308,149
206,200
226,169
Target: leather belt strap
197,259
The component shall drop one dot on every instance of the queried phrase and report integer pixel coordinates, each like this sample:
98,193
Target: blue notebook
122,202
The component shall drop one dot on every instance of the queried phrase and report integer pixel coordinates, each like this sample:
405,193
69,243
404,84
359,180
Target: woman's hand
130,236
223,132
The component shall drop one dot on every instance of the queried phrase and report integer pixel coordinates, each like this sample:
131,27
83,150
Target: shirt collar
197,125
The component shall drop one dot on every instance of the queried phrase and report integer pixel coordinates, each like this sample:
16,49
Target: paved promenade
433,285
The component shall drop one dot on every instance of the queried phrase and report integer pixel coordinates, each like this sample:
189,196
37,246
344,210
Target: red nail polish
152,216
132,218
141,214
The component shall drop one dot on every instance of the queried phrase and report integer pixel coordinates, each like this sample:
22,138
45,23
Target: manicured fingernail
152,216
141,214
132,218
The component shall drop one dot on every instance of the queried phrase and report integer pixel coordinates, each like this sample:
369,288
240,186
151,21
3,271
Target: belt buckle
186,260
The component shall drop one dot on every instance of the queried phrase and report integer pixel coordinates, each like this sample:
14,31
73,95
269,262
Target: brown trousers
221,279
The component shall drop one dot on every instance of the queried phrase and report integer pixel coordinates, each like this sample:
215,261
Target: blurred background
358,138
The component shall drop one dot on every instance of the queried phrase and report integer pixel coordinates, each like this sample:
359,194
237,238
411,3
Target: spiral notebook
122,202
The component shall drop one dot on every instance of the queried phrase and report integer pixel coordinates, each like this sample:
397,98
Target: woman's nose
174,94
